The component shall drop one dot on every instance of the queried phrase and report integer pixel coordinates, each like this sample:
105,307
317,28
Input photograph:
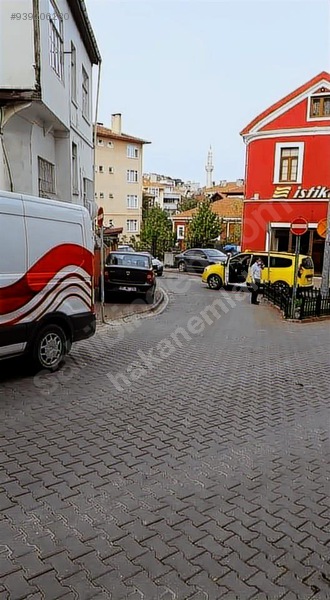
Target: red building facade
287,171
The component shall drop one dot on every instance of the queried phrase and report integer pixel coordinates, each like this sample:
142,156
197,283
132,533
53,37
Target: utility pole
326,259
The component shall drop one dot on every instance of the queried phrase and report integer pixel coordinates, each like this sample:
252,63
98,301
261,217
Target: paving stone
171,491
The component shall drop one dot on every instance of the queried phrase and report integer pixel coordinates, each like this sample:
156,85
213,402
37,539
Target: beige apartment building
118,177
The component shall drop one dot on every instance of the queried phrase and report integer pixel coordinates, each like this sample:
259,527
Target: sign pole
269,238
100,219
296,266
326,259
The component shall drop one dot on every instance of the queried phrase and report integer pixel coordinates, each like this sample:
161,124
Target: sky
186,74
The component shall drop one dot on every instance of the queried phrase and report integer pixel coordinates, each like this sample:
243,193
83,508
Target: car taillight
150,277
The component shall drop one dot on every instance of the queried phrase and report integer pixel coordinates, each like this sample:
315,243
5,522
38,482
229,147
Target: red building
287,172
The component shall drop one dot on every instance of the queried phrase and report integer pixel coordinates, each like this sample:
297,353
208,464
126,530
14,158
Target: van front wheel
214,282
49,348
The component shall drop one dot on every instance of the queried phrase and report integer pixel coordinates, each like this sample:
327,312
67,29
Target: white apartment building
46,99
118,179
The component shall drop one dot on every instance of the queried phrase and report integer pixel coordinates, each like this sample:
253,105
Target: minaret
209,168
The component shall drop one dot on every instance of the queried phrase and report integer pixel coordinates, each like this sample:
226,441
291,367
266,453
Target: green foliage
157,234
204,227
187,204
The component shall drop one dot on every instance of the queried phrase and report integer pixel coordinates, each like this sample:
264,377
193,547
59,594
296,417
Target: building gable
293,111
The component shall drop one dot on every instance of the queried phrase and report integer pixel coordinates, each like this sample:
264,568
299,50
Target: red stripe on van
16,295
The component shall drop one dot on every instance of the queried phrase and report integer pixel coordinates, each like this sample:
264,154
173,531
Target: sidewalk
121,309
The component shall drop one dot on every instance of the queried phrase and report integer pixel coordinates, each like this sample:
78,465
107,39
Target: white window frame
130,178
309,104
46,178
56,50
132,151
85,104
100,142
111,170
128,228
101,169
101,195
279,146
110,144
74,162
132,201
180,232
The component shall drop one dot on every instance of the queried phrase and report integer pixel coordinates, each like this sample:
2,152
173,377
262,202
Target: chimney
116,123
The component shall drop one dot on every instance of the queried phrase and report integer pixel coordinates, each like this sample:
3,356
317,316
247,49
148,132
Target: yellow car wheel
214,281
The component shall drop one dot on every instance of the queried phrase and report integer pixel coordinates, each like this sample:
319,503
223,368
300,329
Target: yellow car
280,271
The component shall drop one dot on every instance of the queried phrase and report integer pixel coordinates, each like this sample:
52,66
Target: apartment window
85,94
100,142
110,196
132,176
320,106
132,151
132,201
87,191
73,73
101,195
111,170
46,177
180,232
132,225
101,169
55,39
74,159
288,165
95,194
110,144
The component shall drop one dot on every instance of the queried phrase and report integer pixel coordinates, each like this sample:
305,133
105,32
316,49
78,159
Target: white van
46,277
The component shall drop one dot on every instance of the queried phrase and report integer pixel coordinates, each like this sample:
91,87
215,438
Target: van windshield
307,263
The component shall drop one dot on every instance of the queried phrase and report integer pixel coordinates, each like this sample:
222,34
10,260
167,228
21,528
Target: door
238,267
13,266
199,261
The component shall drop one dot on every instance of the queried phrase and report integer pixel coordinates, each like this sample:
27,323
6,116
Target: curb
157,308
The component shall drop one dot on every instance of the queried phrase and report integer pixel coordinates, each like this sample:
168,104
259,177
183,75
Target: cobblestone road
199,470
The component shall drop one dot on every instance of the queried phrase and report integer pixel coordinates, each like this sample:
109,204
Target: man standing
256,279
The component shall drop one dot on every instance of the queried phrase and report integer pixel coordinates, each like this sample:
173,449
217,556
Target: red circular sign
100,216
299,226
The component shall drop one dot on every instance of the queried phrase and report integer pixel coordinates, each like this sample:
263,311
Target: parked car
130,272
280,272
196,259
157,264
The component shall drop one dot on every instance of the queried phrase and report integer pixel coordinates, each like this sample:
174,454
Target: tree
186,204
157,234
204,227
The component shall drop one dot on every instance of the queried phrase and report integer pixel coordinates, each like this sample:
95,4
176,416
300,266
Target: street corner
123,308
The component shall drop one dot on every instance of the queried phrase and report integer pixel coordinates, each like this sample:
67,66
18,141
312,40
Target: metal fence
309,301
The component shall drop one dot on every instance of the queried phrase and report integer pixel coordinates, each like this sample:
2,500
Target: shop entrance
311,243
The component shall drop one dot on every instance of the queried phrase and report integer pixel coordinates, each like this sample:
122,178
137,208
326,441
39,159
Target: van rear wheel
281,286
49,348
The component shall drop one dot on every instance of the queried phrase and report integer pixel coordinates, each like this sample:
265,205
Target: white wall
16,46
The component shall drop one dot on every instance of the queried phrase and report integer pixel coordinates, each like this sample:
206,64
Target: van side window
13,240
279,262
264,259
